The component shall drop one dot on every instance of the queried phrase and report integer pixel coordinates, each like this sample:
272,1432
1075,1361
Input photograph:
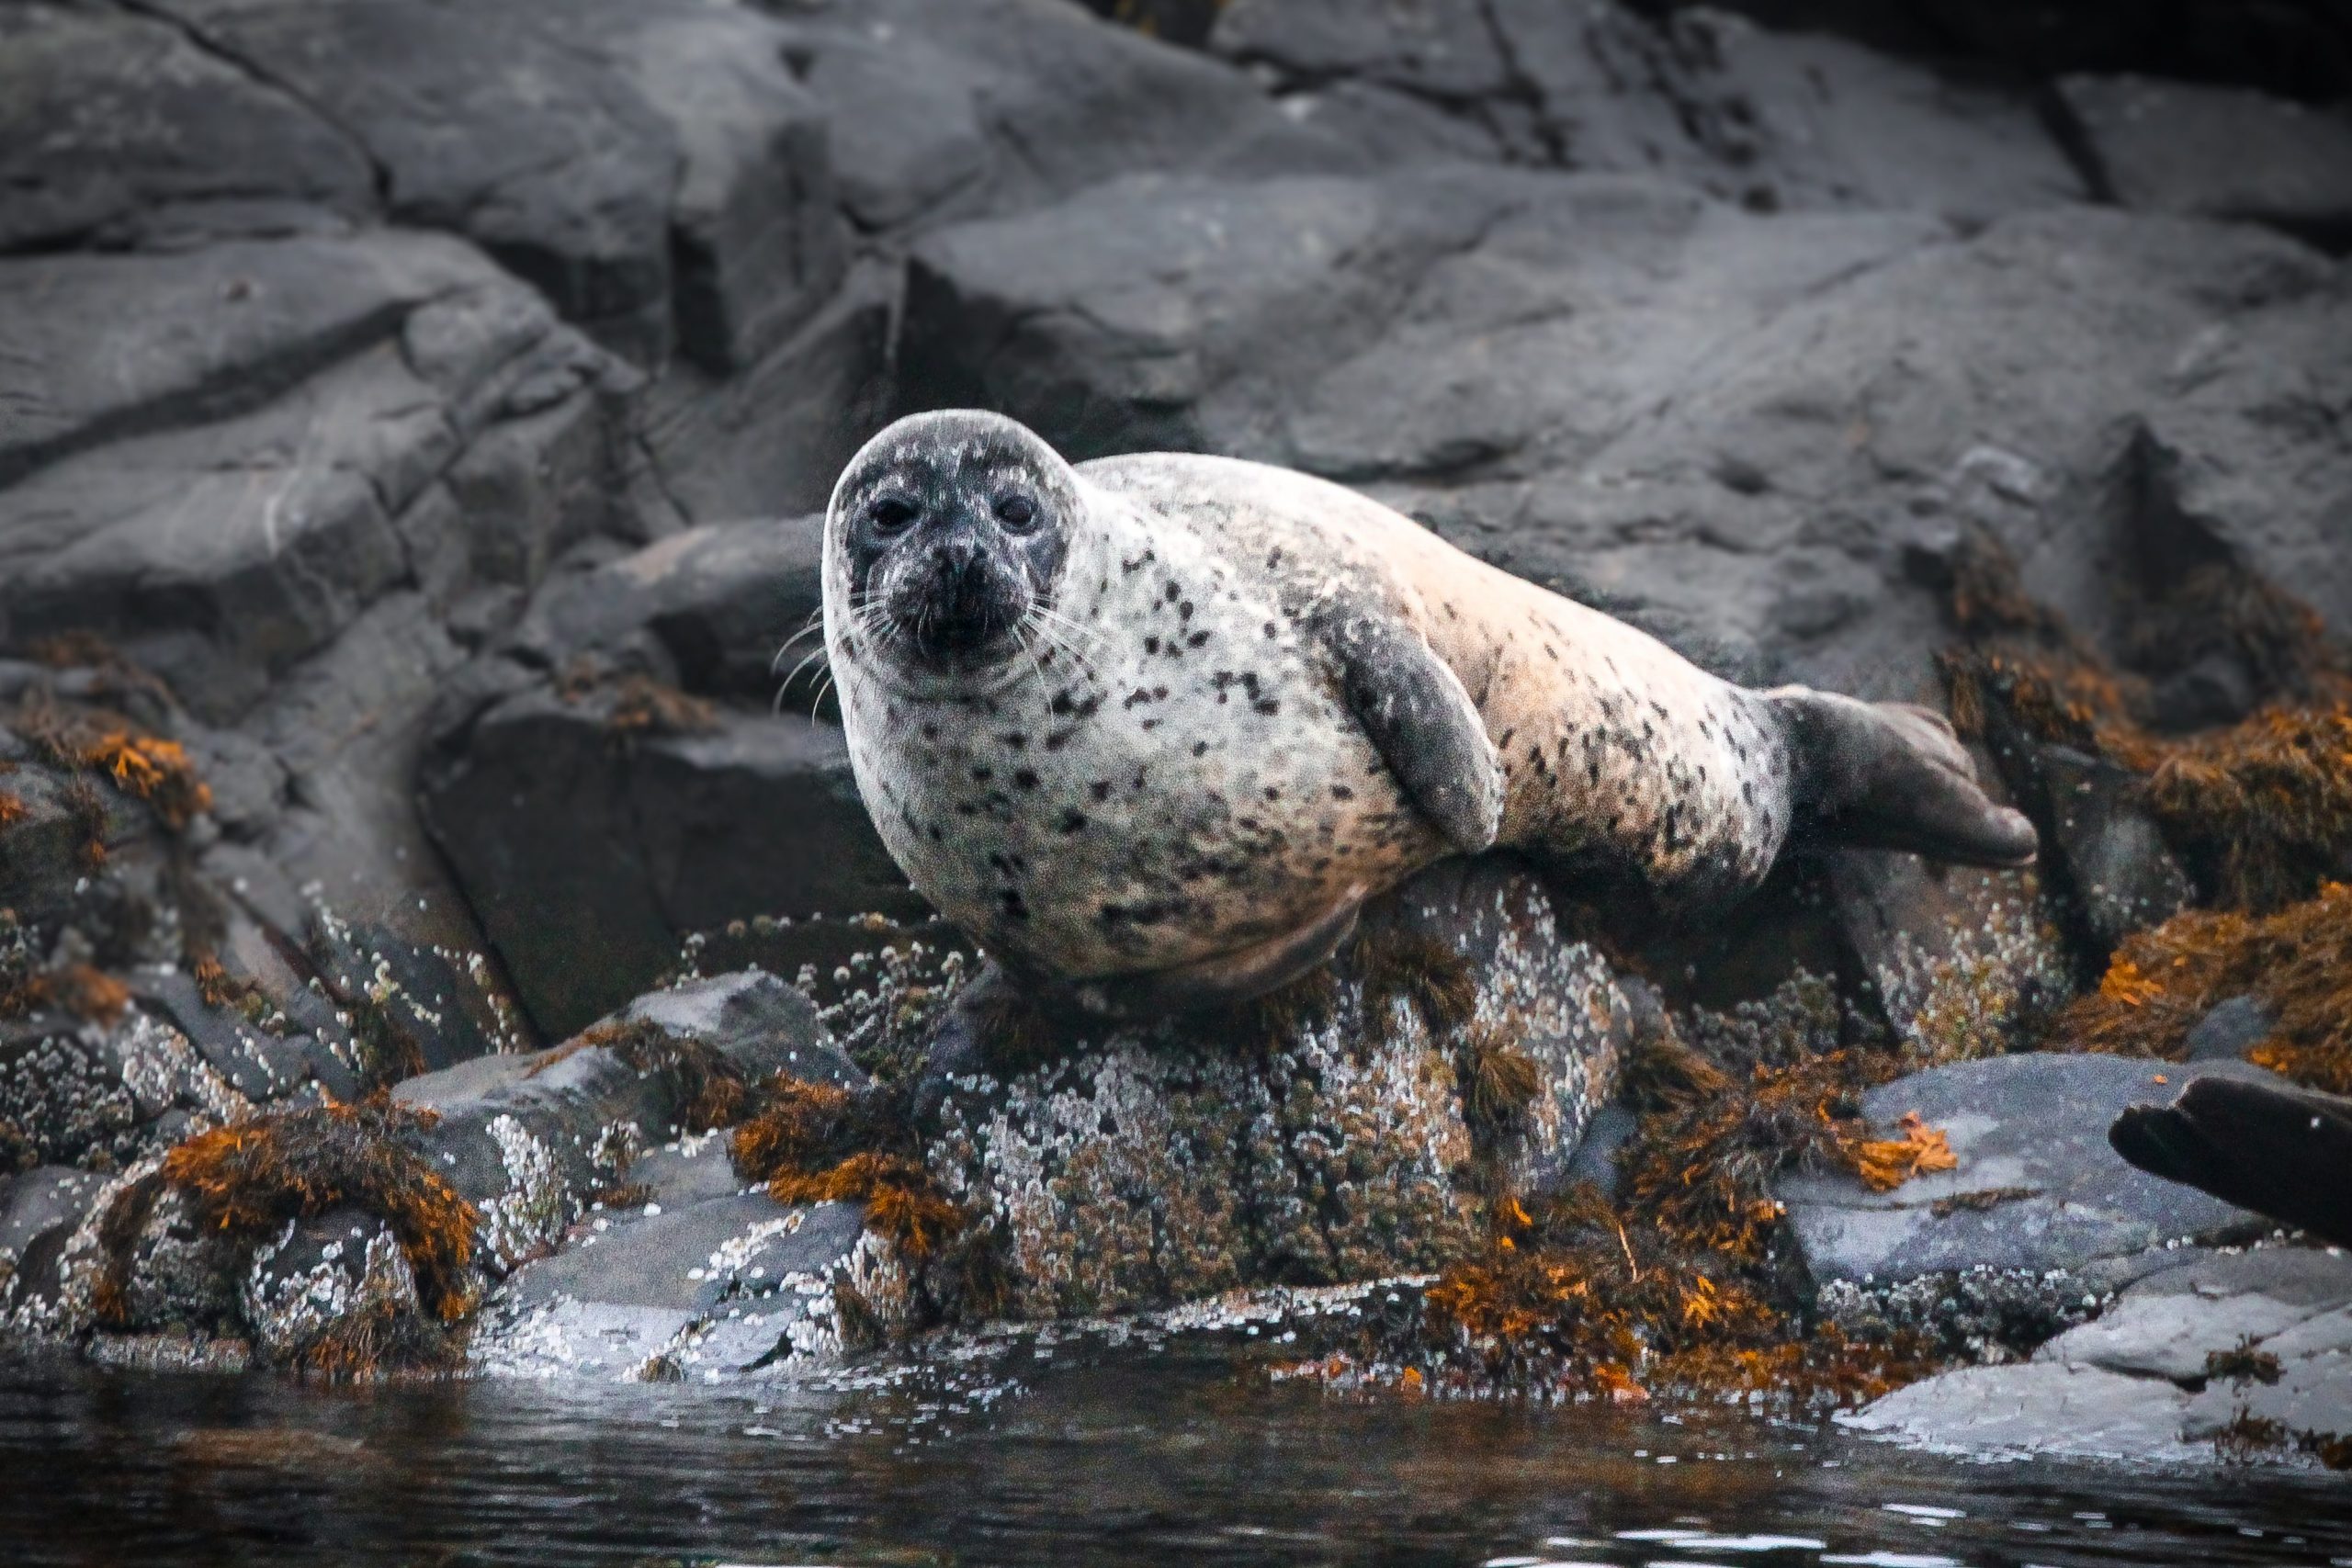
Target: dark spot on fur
1026,777
1073,821
1100,789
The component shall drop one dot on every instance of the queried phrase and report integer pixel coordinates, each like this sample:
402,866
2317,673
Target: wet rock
103,1095
2036,1188
2167,1324
2037,1409
2121,875
2212,152
1323,1146
2209,1350
2225,1033
721,1289
39,1211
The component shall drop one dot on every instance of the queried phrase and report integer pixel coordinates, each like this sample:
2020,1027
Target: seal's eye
892,515
1017,512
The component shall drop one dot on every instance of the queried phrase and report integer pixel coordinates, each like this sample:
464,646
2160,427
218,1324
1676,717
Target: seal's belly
1164,812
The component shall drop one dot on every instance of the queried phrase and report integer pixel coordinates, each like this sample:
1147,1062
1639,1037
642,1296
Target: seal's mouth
959,607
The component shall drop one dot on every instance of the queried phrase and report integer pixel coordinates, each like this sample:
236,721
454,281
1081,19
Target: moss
1498,1080
2249,1437
87,809
2296,962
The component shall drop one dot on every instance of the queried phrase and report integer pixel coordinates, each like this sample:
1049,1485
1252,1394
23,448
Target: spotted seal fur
1154,728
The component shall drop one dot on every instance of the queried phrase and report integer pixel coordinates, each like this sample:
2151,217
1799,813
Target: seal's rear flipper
1893,776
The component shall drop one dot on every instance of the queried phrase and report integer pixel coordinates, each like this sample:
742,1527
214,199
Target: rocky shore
441,933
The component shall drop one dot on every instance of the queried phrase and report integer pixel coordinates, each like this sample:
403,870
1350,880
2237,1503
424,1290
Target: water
1081,1453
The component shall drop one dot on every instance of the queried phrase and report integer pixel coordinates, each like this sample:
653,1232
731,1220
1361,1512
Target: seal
1152,728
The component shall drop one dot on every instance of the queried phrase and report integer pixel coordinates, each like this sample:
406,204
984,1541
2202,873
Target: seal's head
946,534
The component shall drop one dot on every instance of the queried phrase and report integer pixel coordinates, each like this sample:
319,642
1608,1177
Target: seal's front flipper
1412,708
1225,979
1893,776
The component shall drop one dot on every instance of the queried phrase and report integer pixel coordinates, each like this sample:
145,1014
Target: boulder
1331,1143
2036,1190
2214,151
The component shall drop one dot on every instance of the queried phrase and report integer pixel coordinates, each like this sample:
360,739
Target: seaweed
2296,962
644,708
245,1180
2243,1363
1430,978
712,1091
2260,811
157,771
816,1143
1498,1080
12,810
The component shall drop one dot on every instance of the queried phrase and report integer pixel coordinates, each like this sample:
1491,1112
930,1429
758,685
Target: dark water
1080,1454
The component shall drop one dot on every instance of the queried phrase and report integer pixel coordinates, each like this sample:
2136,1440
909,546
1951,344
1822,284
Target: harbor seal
1152,728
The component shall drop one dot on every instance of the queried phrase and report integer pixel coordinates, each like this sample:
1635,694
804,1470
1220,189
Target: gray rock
620,159
1536,367
2036,1188
2165,1325
2038,1408
1776,120
724,1288
1964,963
2225,1033
105,115
39,1211
2121,875
223,503
1611,1128
762,1025
591,854
1152,1167
2214,151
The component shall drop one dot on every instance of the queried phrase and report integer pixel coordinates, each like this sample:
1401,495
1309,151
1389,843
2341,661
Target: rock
39,1211
102,1096
2174,1369
757,1021
2164,1326
2212,152
222,503
2036,1188
773,436
1147,1169
1534,366
1965,963
730,1287
1776,120
573,837
2038,1408
2225,1033
106,115
622,160
2116,864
